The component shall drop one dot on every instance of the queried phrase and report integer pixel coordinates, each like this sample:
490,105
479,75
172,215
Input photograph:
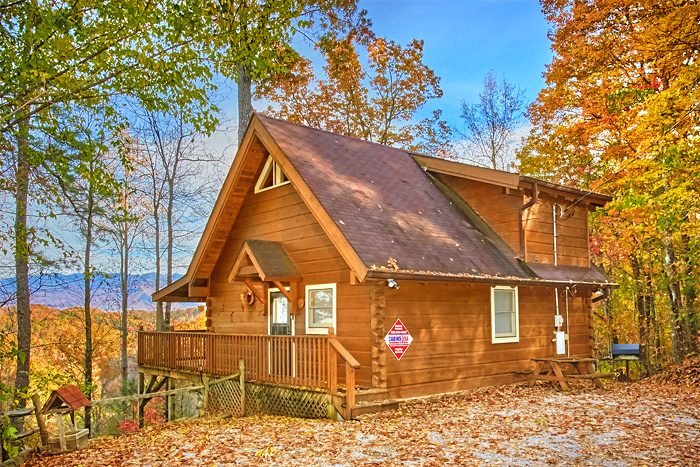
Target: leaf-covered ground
645,423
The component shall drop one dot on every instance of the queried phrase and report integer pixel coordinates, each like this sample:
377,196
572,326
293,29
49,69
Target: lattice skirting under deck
263,399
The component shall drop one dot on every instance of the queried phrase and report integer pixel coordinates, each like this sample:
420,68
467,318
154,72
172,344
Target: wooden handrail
343,352
306,361
289,360
351,364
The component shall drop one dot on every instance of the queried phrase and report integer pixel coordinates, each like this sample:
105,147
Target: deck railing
307,361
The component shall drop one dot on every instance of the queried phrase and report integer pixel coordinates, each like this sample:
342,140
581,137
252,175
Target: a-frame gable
256,147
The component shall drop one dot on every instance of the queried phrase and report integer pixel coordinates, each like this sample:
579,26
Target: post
205,402
140,405
61,431
169,402
332,369
43,433
241,376
350,384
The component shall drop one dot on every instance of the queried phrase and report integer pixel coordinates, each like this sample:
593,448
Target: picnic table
564,370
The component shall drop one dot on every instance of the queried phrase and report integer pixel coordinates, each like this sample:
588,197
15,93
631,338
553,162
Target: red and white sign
398,339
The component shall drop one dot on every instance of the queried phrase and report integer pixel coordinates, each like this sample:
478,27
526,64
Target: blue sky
464,39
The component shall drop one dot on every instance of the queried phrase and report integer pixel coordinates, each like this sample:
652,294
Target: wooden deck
301,361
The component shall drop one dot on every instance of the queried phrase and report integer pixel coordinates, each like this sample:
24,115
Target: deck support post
141,390
241,376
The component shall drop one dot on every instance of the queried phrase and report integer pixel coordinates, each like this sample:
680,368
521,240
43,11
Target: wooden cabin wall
451,327
280,215
572,234
496,205
499,207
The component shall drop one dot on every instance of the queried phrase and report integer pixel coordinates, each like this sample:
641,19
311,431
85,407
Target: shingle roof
392,214
66,397
271,259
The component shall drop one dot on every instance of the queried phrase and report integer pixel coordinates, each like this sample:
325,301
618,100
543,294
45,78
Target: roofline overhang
447,277
502,178
257,128
595,198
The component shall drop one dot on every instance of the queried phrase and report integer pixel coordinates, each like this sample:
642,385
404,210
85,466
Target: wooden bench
550,369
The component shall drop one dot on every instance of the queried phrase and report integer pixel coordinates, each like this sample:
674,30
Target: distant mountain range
66,291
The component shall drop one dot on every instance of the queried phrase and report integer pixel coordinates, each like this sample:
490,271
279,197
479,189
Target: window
504,314
320,308
271,176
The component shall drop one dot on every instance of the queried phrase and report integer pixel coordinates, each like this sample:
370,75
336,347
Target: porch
312,363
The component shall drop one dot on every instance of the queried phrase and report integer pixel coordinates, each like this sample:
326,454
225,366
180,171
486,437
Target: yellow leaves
266,452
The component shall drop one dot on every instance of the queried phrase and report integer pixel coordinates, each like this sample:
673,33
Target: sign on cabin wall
398,339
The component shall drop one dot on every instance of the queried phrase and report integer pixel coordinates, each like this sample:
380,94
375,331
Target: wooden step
371,395
366,394
372,407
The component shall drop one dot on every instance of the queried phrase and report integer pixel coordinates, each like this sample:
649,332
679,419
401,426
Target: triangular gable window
271,176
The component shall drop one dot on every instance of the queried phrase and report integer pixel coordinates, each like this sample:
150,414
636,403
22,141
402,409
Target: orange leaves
648,422
373,100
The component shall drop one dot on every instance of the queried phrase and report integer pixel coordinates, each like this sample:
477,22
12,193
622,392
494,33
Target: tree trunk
674,296
24,324
171,235
124,361
690,300
87,277
245,100
160,317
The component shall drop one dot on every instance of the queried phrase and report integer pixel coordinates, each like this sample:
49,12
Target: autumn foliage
620,114
58,342
375,100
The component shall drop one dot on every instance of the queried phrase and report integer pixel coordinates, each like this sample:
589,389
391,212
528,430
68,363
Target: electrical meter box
558,321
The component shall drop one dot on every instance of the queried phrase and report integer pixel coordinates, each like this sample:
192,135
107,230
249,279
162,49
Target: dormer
542,222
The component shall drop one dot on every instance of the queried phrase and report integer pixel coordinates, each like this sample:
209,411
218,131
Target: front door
280,319
281,358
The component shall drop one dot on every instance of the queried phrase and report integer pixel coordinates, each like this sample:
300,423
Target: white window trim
504,339
309,329
277,172
292,318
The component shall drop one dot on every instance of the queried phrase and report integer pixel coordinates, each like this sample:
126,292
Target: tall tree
124,223
621,113
87,185
489,125
172,163
58,54
376,103
255,38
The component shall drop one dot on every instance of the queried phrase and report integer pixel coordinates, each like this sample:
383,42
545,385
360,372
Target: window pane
320,306
279,310
503,300
322,317
321,298
504,323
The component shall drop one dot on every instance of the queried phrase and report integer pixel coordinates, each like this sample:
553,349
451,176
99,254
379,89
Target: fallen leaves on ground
643,423
686,373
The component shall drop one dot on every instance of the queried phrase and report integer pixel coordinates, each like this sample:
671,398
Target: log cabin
319,245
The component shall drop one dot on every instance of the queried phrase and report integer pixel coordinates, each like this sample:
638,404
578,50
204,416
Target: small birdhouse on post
61,402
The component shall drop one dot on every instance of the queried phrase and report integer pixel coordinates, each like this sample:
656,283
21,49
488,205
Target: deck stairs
367,401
